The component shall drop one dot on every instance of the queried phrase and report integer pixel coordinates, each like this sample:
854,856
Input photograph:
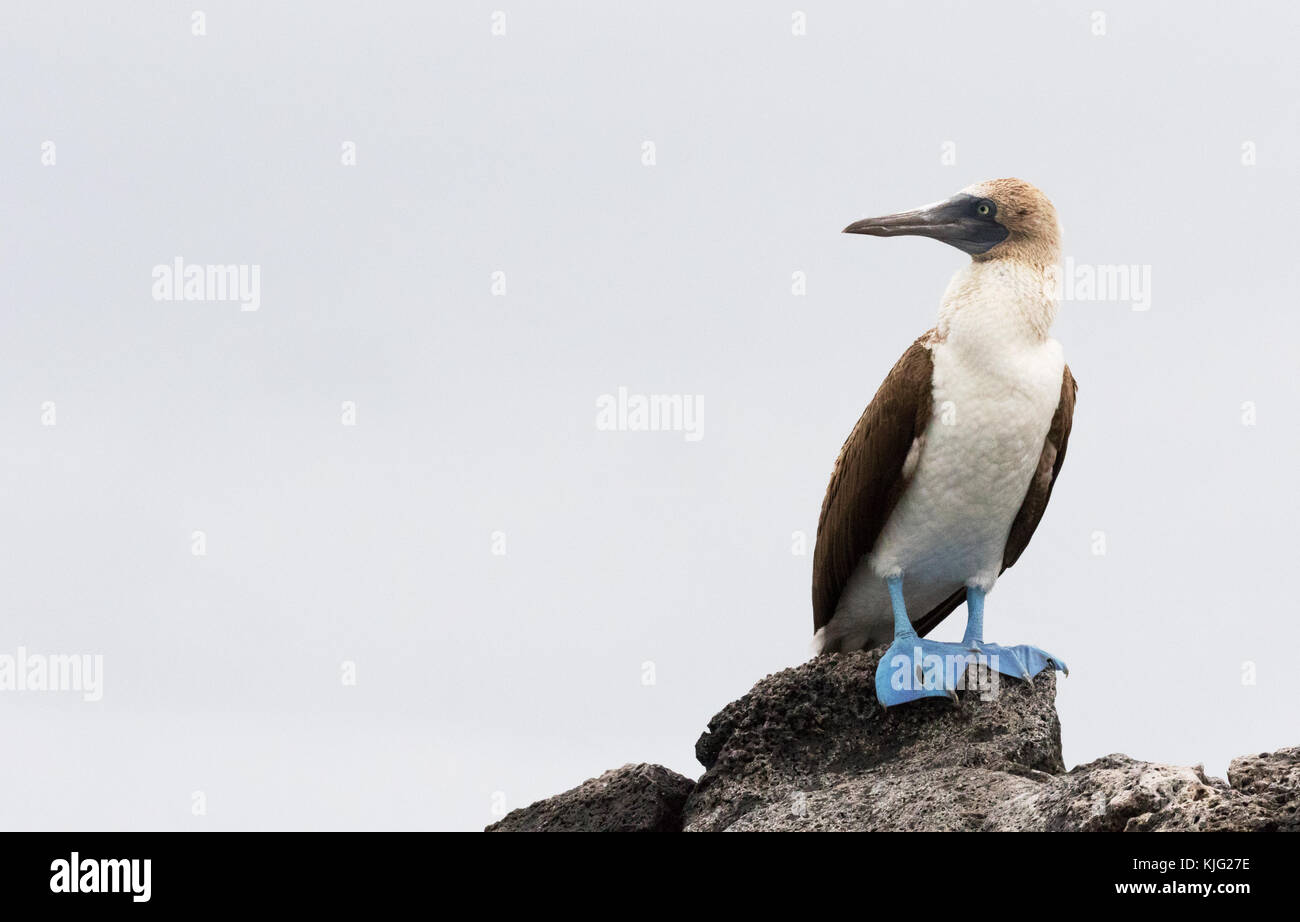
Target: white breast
977,457
996,385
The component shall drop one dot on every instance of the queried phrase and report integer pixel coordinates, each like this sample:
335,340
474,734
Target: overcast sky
525,599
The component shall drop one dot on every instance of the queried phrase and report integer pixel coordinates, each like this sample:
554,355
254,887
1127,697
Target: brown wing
1036,498
868,476
1049,465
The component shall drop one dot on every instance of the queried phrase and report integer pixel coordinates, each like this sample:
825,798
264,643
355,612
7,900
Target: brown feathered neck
1034,230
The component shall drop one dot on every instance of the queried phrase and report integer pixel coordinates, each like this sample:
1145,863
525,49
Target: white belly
974,466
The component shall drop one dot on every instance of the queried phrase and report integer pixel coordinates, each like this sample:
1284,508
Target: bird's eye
983,209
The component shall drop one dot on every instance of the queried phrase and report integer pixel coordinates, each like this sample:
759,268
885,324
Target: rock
810,748
1273,780
1119,794
634,798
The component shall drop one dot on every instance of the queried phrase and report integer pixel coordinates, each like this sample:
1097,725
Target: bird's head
997,219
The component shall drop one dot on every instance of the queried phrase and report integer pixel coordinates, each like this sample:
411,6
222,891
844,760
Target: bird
946,475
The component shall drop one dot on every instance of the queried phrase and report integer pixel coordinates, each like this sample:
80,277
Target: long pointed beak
954,222
920,222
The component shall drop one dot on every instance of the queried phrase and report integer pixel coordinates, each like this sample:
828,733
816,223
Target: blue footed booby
946,475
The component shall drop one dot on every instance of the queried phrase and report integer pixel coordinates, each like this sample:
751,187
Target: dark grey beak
957,222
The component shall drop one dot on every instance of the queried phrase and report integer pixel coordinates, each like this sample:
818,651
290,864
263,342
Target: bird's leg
974,635
902,623
1021,661
913,667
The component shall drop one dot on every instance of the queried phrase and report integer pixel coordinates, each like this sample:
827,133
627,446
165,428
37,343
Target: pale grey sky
522,673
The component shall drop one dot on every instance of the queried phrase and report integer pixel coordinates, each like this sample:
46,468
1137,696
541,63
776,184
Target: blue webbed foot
1020,662
914,668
